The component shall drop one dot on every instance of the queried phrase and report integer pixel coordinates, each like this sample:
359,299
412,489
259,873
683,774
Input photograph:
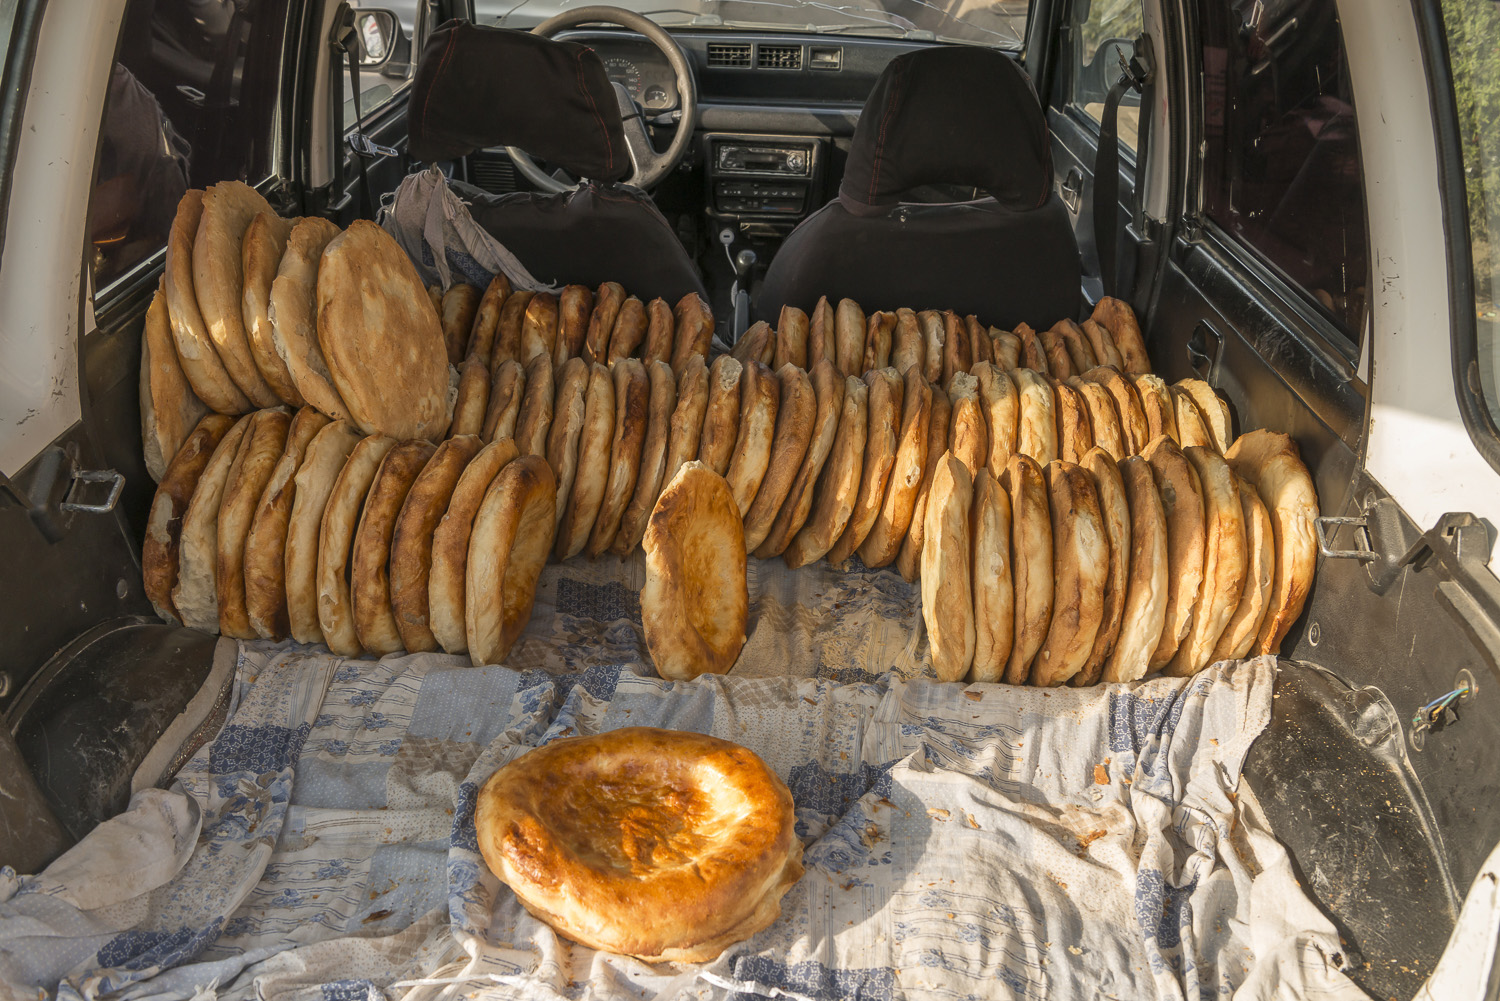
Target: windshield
999,23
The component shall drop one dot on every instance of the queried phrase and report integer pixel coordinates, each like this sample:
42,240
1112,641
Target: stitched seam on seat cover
609,163
447,50
890,111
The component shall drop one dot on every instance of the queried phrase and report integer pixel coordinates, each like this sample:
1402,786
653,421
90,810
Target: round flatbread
447,574
662,402
1146,590
1059,365
1182,503
883,428
1114,509
838,485
566,430
659,328
473,397
1191,428
688,418
1213,410
314,480
265,242
1103,344
539,327
1135,434
908,349
1080,561
336,544
632,415
1104,419
382,341
1223,561
630,330
369,567
265,440
507,549
1036,425
828,393
757,343
760,395
979,341
1033,354
170,410
909,559
592,476
265,543
721,419
1120,320
1030,561
791,338
607,303
411,539
487,320
534,419
219,281
503,408
194,594
821,331
456,314
293,312
968,435
1000,402
200,361
575,307
1080,351
1005,349
693,324
878,330
947,584
1075,435
958,353
994,595
1157,405
169,506
795,413
508,329
1238,638
894,517
849,337
695,604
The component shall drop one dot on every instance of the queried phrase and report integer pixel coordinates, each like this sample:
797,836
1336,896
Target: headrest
479,87
959,115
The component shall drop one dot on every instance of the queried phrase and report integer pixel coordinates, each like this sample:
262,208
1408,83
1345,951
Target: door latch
1072,190
58,486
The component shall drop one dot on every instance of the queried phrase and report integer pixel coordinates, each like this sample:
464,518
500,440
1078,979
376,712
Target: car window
1103,31
378,85
1281,171
191,101
1472,27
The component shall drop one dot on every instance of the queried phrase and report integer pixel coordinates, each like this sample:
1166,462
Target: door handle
1072,190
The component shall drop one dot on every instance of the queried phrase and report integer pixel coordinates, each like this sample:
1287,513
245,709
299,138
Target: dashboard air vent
729,55
779,57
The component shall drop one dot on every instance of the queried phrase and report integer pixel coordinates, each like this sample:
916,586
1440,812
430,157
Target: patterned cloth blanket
975,841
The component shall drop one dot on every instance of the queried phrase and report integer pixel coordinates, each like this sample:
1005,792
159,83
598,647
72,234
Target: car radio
734,158
769,178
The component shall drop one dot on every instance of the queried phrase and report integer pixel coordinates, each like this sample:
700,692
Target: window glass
1103,31
1473,29
1281,154
191,102
378,84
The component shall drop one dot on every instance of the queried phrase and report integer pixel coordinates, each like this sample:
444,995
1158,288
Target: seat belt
1137,75
346,38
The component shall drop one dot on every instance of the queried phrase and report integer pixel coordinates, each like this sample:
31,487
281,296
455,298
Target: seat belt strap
1133,76
364,149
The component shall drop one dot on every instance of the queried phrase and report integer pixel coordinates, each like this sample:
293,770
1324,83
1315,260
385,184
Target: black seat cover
940,116
481,87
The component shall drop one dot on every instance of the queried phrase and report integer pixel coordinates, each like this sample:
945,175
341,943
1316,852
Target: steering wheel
648,166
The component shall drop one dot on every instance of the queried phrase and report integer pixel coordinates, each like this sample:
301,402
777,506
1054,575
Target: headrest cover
479,87
960,115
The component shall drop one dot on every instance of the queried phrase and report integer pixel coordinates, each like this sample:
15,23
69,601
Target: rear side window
1103,31
1282,172
191,102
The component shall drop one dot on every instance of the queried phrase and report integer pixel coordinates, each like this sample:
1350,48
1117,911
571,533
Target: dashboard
640,67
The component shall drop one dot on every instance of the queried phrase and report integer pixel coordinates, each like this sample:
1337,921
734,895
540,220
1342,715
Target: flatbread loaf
336,544
795,412
169,407
194,595
1271,462
1080,352
695,604
200,361
369,567
507,549
893,519
821,331
849,337
539,327
1157,405
567,429
218,281
958,353
1030,562
1182,503
791,338
1080,561
1005,349
293,312
721,419
501,410
1103,344
265,440
1000,403
487,320
757,343
1114,509
508,329
1120,320
909,559
1223,561
907,346
1146,591
592,476
947,584
630,330
411,540
687,418
607,302
968,437
659,330
1135,434
878,330
662,403
473,397
1075,434
979,341
632,413
1191,428
1238,638
760,395
1213,410
694,331
169,506
447,574
265,242
882,430
828,393
1104,419
314,480
534,419
1036,425
994,595
265,543
456,315
575,307
382,341
1059,365
838,484
1033,354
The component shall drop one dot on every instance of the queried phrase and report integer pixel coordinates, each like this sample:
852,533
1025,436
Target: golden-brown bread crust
1030,562
1036,425
878,329
575,307
1080,562
336,544
265,543
169,407
1033,354
592,475
435,296
1271,462
1120,320
507,390
559,825
659,327
828,393
795,413
534,419
448,567
757,343
1059,365
760,395
164,523
369,568
661,404
1223,561
630,330
1114,510
1146,592
1075,435
456,316
1191,428
958,353
721,419
411,540
265,440
632,415
979,341
473,397
968,435
314,481
1135,434
1104,419
994,596
882,429
487,320
195,349
265,242
1005,348
947,584
894,517
1103,345
791,338
1238,637
508,328
293,312
382,341
1080,353
821,335
219,281
1182,503
838,484
687,419
507,549
694,331
1157,405
607,302
1211,408
539,327
695,604
567,428
908,349
909,559
849,337
194,594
